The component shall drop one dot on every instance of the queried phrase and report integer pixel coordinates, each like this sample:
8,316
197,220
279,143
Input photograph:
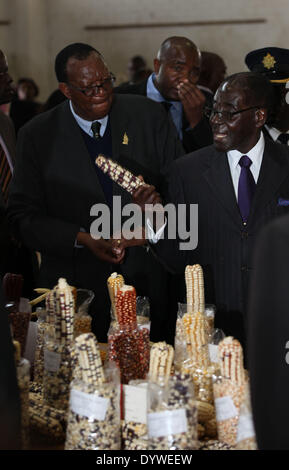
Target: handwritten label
167,423
225,409
135,403
51,361
88,405
245,428
213,351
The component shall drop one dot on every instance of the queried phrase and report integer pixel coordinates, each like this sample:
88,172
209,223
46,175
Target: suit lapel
120,130
274,170
218,176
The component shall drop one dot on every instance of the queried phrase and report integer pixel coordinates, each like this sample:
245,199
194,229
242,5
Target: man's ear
260,117
64,89
157,64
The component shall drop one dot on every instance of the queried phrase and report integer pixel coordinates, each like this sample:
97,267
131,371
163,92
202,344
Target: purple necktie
246,187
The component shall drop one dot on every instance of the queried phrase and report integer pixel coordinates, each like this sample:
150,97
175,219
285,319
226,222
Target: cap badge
269,61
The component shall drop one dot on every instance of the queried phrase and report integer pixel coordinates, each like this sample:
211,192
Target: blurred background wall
38,29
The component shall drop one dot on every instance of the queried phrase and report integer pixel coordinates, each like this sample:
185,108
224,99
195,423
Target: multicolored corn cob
118,174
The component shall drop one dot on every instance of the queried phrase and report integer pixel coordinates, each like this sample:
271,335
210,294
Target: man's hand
124,239
193,101
111,251
146,194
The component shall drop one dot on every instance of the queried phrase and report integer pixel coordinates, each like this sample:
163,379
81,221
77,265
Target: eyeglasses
226,116
94,90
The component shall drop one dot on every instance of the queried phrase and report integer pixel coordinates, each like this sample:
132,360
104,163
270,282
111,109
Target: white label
213,351
167,423
225,409
135,403
245,428
31,342
51,361
146,325
88,405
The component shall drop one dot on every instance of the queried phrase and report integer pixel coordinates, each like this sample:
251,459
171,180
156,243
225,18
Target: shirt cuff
153,236
76,245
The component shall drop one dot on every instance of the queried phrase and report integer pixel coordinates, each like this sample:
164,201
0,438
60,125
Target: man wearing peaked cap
273,62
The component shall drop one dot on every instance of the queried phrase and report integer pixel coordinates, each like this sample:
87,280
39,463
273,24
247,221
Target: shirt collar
255,154
204,88
274,133
154,94
86,125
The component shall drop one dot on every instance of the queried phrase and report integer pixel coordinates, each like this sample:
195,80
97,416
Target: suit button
243,268
244,235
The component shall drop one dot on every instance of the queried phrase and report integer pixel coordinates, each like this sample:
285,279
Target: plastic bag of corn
172,415
94,411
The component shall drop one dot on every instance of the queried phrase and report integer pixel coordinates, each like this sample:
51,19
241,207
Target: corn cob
206,412
45,419
195,288
201,431
211,428
161,360
126,306
231,358
117,173
114,282
89,360
196,338
129,346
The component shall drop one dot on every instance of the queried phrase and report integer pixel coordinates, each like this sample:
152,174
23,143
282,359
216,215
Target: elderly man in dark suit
173,84
240,183
56,181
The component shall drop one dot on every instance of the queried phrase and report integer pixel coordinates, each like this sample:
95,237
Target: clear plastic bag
19,321
228,399
129,349
246,439
57,372
210,313
143,312
45,420
82,320
94,414
42,326
172,415
23,379
214,339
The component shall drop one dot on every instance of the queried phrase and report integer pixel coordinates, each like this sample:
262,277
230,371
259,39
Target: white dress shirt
255,154
86,125
274,133
176,109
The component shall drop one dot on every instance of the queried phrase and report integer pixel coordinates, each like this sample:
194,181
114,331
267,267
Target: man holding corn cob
57,182
240,183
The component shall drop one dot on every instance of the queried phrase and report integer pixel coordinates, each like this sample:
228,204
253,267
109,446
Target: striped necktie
5,174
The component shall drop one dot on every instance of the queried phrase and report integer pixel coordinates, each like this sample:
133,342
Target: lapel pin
125,139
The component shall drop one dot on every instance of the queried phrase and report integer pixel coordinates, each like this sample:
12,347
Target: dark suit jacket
9,395
193,139
268,338
225,246
7,133
55,185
